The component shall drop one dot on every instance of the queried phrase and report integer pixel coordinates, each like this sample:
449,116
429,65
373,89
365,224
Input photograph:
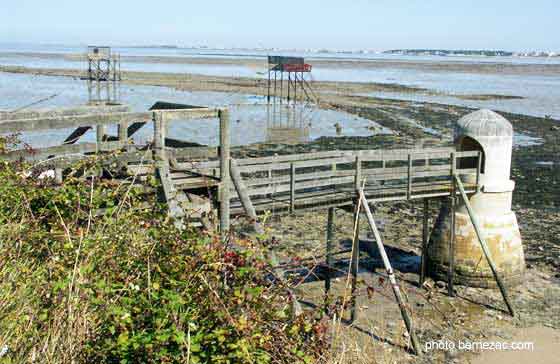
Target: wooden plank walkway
280,184
330,179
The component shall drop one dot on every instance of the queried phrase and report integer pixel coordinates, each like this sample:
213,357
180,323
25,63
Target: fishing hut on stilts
103,75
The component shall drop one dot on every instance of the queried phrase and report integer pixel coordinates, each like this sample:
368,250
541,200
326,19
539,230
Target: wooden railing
128,123
290,182
315,179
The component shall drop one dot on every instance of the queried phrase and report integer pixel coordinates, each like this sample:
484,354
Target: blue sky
344,24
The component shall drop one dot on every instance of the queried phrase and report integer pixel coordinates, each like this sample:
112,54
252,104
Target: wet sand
328,92
496,66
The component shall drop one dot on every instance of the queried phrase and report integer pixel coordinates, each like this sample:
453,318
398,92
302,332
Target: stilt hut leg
390,273
330,238
425,237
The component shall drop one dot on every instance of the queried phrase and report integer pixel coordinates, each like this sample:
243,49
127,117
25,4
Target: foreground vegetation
89,274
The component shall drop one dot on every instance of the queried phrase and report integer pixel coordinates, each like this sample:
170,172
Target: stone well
491,134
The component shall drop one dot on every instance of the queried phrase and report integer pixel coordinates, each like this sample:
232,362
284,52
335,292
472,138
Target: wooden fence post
358,176
100,132
292,188
123,132
159,135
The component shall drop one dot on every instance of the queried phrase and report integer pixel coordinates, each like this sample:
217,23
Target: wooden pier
283,184
197,181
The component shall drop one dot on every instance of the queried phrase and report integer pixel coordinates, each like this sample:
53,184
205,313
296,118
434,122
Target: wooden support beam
224,173
63,112
292,188
174,207
354,262
390,274
100,133
329,249
451,245
484,246
425,241
61,122
192,153
244,197
123,132
134,127
350,156
76,134
159,135
409,178
44,153
358,175
41,124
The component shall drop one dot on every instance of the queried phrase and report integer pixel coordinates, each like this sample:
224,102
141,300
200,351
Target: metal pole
224,173
391,274
484,246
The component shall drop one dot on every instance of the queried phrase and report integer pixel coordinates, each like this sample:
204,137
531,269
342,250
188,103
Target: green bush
87,274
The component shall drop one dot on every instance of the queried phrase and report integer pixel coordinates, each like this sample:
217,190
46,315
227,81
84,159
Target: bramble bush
89,274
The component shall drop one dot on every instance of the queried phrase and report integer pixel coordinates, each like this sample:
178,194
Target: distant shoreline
258,61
